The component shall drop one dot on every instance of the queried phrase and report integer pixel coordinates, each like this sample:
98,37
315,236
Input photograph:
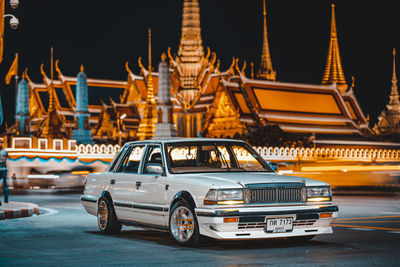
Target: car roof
182,139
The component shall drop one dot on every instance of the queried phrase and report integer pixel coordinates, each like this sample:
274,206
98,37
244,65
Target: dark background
103,35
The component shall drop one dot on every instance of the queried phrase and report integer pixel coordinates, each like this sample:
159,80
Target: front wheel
106,219
183,224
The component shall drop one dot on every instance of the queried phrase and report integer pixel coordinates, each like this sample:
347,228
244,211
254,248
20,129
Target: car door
149,197
123,183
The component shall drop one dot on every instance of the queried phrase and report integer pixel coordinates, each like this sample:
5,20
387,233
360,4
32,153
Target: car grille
275,193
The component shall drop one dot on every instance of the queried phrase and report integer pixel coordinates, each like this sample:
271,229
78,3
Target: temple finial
150,51
394,78
163,56
394,94
266,72
333,70
82,68
51,92
150,89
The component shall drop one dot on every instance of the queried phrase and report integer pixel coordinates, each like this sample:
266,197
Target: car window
197,158
116,159
132,160
246,160
153,158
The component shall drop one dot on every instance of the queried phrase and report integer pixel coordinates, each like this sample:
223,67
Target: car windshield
197,157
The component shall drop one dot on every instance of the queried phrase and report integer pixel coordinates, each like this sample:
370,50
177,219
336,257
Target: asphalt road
367,233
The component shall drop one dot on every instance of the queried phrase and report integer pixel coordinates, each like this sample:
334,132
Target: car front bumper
251,221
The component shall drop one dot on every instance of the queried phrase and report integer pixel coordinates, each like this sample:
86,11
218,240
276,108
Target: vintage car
219,188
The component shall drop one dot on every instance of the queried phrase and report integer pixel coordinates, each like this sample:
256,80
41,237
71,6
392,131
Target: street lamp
14,22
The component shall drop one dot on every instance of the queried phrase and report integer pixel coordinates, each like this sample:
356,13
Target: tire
183,225
301,239
106,218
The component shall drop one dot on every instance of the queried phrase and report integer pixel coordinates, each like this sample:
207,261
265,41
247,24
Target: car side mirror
154,168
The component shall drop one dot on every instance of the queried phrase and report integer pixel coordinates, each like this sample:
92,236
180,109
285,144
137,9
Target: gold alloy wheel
102,215
182,224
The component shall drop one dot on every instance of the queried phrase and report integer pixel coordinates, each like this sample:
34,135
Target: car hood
237,179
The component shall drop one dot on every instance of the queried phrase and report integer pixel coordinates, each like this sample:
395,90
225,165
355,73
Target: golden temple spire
150,89
191,47
394,94
147,124
51,92
333,69
52,124
266,72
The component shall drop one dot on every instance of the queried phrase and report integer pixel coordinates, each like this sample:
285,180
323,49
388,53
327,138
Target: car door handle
138,184
112,181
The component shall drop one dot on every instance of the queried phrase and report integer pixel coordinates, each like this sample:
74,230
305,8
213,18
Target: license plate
279,225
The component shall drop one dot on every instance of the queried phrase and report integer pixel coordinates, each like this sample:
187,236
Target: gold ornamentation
266,72
333,69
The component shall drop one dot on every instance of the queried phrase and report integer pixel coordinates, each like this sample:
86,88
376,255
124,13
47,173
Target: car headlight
224,197
319,193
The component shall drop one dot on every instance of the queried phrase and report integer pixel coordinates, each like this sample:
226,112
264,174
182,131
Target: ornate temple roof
301,108
333,69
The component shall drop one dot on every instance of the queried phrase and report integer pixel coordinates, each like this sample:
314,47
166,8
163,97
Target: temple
190,96
389,120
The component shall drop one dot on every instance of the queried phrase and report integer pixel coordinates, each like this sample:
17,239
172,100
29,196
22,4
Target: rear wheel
183,224
106,219
301,239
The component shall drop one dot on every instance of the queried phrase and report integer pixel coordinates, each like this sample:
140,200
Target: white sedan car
219,188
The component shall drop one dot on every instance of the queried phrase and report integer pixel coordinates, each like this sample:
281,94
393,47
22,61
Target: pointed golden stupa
147,124
52,124
333,69
394,94
191,47
266,72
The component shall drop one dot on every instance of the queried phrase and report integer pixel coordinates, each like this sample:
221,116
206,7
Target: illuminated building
190,96
389,120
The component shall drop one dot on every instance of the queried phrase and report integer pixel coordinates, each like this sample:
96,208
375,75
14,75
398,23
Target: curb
24,210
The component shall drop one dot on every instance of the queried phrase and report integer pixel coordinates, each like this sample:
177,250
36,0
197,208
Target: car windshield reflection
214,157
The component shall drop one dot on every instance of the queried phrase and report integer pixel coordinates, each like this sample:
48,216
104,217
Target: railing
107,152
311,154
97,151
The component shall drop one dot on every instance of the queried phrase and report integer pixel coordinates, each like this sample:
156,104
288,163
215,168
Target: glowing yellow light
230,202
347,168
325,215
231,220
80,172
318,199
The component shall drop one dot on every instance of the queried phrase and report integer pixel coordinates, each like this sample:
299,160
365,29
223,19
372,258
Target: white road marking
50,211
66,207
394,232
361,229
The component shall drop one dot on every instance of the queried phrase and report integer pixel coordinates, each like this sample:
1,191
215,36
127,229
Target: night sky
103,35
